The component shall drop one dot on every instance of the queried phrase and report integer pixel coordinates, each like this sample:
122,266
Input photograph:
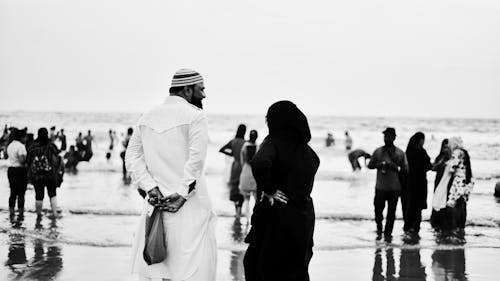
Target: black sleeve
262,164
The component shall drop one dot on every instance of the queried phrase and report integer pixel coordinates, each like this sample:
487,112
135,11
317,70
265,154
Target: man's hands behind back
172,203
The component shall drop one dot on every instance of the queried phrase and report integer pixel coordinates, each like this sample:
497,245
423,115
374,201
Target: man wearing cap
166,157
391,164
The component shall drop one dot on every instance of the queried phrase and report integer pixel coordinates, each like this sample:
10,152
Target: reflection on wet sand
46,262
447,265
16,255
236,264
378,272
410,265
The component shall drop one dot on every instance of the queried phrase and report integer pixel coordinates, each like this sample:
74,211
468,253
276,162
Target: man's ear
188,91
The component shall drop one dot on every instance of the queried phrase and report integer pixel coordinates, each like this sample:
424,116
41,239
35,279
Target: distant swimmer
329,141
53,135
354,158
72,159
130,132
112,137
497,189
62,138
88,146
348,141
80,146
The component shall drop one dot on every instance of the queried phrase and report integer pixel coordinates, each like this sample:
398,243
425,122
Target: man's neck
179,95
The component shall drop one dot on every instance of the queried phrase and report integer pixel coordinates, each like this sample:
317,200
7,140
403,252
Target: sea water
100,210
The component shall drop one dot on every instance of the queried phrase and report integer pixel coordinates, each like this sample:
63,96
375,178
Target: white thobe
168,150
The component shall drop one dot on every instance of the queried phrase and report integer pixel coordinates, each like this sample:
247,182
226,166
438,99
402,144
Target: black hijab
418,160
43,136
285,119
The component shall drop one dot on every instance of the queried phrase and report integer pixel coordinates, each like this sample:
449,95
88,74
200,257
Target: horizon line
254,114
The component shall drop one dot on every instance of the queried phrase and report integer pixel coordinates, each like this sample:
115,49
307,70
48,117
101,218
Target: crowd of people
165,157
43,162
330,140
35,161
404,175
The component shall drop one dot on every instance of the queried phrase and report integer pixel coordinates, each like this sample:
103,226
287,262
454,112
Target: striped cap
186,77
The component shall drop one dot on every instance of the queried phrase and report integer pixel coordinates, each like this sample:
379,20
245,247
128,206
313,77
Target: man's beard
197,102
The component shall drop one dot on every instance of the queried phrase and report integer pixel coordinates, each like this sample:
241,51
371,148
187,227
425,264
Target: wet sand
35,259
92,239
91,247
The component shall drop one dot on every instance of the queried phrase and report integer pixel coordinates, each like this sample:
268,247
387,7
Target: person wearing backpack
44,164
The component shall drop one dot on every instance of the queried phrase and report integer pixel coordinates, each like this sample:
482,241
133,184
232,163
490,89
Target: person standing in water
281,237
43,164
439,166
111,136
62,139
130,132
329,141
454,188
88,146
497,190
233,148
416,195
348,141
16,173
53,135
80,146
71,157
390,162
354,156
248,186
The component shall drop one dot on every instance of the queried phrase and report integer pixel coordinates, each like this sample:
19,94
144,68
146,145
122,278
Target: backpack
42,166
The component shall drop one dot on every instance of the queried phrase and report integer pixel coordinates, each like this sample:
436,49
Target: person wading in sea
391,165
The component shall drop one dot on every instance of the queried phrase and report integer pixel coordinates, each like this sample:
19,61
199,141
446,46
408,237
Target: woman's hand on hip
277,196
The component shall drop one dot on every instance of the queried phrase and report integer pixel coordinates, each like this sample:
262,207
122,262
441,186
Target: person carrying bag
155,248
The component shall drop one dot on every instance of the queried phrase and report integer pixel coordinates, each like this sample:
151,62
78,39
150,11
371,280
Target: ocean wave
236,247
328,217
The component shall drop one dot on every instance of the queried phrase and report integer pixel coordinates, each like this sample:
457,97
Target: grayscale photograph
249,140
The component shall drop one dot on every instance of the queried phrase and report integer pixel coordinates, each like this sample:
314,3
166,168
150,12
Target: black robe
281,237
419,163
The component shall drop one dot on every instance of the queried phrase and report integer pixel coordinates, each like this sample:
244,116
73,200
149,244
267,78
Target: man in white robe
166,157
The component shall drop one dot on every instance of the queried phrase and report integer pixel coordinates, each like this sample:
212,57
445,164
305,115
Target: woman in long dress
248,186
233,148
439,166
281,237
419,163
454,188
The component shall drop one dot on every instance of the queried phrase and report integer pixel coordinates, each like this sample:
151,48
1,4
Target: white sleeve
22,151
198,141
136,164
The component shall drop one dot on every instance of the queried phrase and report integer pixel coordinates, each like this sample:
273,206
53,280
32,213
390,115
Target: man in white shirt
18,178
166,157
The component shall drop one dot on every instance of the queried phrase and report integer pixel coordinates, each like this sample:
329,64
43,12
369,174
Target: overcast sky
433,58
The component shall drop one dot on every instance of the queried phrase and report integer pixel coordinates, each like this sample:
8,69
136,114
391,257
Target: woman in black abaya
419,163
281,237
